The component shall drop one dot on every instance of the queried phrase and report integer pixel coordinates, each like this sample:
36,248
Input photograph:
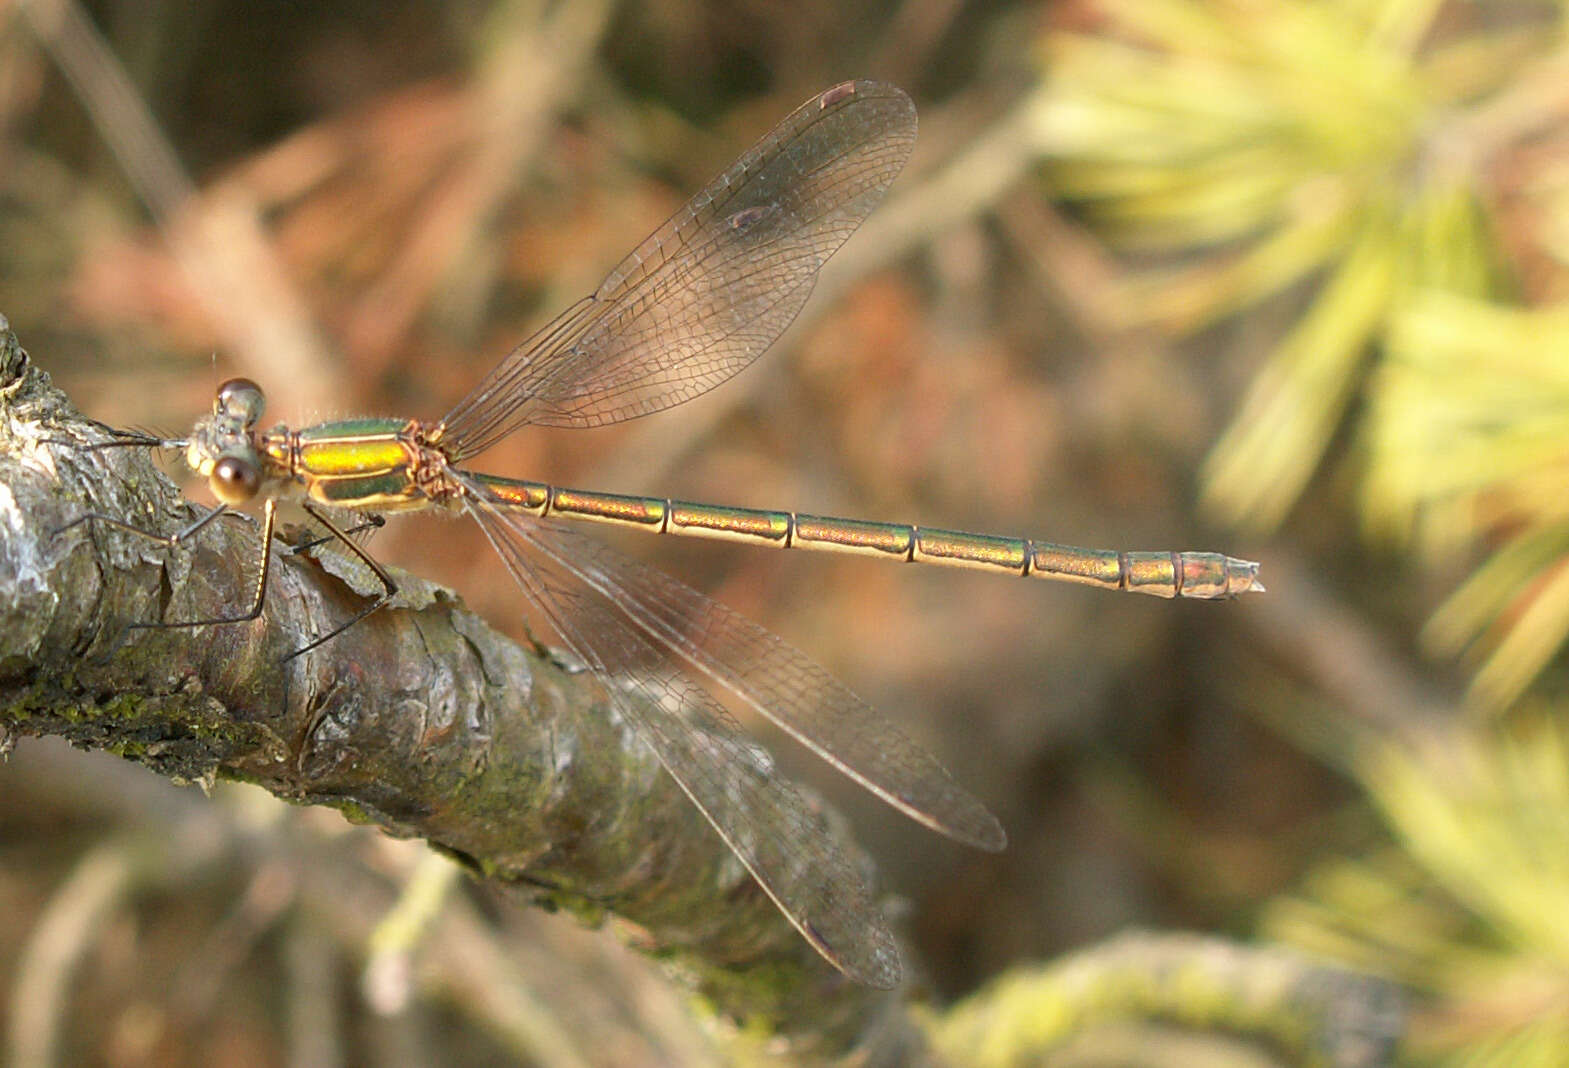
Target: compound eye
234,481
241,398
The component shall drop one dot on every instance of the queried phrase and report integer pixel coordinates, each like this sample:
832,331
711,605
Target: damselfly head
222,446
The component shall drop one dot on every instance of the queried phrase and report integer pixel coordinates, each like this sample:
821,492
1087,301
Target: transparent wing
785,685
711,289
764,820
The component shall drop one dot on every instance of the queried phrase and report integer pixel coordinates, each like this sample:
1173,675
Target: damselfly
691,306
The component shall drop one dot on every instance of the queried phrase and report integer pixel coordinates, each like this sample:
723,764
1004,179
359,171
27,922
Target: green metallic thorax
366,464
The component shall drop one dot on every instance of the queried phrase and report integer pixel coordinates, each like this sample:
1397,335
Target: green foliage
1393,176
1352,156
1467,907
1273,145
1468,436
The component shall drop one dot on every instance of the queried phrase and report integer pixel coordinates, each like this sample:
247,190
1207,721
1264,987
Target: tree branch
421,719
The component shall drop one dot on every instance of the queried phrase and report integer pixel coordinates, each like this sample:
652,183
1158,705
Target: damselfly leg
258,598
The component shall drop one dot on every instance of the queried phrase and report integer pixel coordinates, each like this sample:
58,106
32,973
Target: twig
220,242
1119,1002
83,906
531,63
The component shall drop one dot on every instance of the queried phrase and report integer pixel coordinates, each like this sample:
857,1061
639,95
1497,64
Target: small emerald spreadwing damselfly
691,306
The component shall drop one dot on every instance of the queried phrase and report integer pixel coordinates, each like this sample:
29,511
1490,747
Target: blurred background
1280,278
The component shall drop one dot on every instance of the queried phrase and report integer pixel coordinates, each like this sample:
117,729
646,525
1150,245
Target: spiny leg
142,439
258,595
122,438
171,540
370,522
389,587
175,539
134,439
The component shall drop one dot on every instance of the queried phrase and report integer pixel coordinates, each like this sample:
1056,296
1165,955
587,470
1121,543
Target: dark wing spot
747,218
832,96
